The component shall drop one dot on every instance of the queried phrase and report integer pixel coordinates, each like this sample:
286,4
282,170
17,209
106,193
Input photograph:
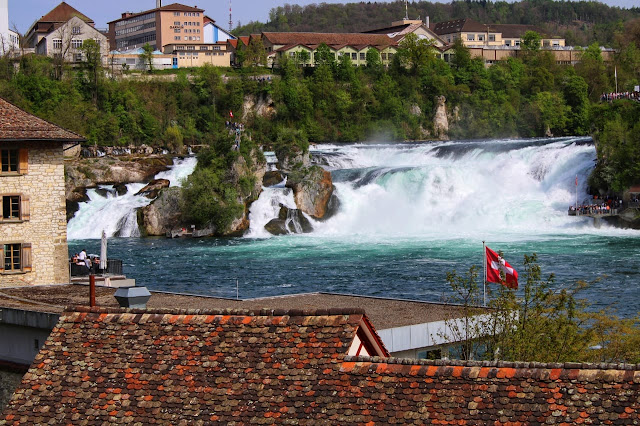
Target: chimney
158,4
132,297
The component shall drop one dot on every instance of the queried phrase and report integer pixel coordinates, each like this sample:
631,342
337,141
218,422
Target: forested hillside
579,22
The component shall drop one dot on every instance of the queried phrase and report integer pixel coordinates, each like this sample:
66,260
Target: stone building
33,226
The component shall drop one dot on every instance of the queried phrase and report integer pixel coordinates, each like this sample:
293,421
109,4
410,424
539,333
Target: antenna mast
230,19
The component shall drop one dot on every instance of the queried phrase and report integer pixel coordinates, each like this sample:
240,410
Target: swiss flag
231,114
495,265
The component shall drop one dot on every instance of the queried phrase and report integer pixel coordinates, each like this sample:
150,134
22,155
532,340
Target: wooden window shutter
25,208
1,257
23,161
26,257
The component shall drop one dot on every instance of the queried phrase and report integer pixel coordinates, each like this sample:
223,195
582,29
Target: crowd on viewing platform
608,206
609,97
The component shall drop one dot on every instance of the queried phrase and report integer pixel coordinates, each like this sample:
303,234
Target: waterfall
451,189
116,214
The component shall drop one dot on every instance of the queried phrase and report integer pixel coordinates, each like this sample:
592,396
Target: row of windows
136,40
144,17
187,13
195,54
186,24
187,38
137,28
187,30
353,55
16,257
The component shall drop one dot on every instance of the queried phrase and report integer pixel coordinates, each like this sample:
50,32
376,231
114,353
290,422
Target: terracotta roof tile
17,125
277,366
333,40
62,13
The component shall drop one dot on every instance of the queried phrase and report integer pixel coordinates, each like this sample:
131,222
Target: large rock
312,190
90,172
440,120
153,188
292,158
259,106
272,178
289,221
163,214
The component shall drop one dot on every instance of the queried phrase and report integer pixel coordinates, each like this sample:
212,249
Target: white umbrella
103,251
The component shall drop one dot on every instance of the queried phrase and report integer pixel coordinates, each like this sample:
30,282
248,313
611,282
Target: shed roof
18,125
136,366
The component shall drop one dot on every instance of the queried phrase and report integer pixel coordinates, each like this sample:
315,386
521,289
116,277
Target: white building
213,33
67,39
9,40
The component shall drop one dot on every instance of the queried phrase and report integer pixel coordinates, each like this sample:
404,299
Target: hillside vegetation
579,22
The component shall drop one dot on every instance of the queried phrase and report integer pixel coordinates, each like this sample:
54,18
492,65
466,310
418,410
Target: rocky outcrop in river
312,190
163,215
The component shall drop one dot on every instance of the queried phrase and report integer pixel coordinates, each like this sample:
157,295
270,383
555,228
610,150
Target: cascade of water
452,189
267,207
117,214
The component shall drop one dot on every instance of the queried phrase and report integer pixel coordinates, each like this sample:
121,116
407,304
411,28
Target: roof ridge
233,311
495,364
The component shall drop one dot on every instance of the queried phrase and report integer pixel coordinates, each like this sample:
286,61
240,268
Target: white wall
8,38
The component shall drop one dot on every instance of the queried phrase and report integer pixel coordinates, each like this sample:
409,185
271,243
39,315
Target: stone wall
46,228
9,381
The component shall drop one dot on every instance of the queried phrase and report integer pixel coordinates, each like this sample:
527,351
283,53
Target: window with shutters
10,207
13,161
16,258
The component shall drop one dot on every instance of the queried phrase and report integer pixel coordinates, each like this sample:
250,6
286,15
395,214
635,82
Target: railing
114,267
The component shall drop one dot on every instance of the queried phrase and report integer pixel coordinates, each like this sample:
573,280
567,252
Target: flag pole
484,275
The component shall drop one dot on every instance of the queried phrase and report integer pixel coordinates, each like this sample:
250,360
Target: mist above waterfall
436,190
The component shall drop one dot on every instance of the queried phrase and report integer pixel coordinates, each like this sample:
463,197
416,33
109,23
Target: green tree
531,41
324,56
256,54
147,56
92,66
415,53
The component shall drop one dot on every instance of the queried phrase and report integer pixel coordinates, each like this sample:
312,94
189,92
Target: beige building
354,45
33,227
475,34
164,25
190,55
50,22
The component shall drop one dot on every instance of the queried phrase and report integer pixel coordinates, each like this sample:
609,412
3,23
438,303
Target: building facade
9,40
67,39
50,22
475,34
214,33
174,23
355,45
33,227
189,55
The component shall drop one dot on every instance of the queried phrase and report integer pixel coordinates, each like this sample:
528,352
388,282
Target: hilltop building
33,226
174,23
61,33
291,366
473,33
9,39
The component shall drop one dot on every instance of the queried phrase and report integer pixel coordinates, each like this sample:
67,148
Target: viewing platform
625,210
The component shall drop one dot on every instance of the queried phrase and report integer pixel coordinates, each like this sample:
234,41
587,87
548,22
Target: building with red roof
33,226
328,366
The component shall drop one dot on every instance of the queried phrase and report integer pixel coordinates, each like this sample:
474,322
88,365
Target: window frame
24,254
21,165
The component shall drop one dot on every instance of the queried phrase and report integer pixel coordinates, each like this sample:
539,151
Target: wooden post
92,290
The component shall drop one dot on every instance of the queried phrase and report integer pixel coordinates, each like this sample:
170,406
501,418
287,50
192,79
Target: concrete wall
46,228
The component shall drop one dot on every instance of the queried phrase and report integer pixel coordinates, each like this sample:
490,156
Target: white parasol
103,251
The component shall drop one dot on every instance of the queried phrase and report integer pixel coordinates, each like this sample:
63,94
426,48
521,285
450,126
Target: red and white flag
495,265
231,114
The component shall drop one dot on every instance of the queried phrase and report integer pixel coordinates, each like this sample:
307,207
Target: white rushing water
449,190
115,214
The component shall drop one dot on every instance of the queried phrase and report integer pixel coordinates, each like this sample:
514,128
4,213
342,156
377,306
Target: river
409,213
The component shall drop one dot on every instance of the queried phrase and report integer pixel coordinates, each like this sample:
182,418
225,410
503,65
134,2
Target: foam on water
115,214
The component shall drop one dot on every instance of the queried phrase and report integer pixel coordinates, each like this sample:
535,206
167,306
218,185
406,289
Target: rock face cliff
440,120
163,214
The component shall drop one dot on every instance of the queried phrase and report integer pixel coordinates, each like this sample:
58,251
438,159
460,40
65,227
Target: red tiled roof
330,39
206,20
137,366
19,125
62,13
